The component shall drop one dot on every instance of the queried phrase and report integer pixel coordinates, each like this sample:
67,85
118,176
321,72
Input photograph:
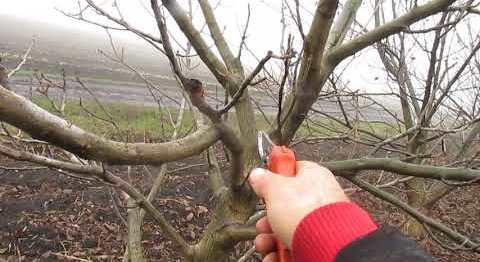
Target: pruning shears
280,160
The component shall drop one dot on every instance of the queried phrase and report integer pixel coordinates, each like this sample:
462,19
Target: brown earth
45,216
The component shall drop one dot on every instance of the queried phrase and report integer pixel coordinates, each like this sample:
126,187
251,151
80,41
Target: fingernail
257,172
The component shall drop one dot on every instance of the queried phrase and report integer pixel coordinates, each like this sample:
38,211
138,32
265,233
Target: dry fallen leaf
201,210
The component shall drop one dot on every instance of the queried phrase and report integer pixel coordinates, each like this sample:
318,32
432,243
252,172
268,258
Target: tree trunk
440,189
417,197
219,241
135,222
416,194
208,250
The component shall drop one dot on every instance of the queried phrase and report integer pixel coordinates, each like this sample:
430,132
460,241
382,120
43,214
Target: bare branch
22,113
118,21
394,138
240,232
452,234
94,97
115,199
166,41
25,168
346,167
247,255
244,35
218,37
45,161
217,184
196,92
208,57
109,178
246,83
23,61
4,76
281,89
296,17
313,71
337,54
343,23
454,79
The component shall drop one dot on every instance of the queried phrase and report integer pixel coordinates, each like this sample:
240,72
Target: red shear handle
282,161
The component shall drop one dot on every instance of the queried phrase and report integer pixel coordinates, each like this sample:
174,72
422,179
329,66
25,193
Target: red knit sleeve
324,232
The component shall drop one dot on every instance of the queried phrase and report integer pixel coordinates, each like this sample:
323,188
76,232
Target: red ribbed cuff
324,232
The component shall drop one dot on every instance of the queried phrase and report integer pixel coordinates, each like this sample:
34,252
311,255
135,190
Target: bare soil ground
44,215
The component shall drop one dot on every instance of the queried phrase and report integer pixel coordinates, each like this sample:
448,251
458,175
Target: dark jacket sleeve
383,245
344,232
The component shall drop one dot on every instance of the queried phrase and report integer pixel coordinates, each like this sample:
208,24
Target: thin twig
114,198
286,70
244,35
110,120
109,178
246,83
452,234
247,255
68,257
23,168
171,171
24,59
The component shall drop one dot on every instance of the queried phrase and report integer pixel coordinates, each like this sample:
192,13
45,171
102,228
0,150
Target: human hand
289,199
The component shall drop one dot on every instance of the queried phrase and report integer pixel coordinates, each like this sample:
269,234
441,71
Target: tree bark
135,223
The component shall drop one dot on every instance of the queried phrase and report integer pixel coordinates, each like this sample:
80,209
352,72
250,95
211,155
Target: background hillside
60,47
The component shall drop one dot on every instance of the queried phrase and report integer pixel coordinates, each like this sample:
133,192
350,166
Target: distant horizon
41,11
364,72
76,49
99,38
264,30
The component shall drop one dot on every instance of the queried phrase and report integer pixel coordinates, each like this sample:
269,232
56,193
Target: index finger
308,166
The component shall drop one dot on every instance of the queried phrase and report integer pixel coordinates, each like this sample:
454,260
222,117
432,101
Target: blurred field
120,120
59,48
130,122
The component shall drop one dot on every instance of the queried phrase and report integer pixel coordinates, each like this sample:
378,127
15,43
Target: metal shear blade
263,151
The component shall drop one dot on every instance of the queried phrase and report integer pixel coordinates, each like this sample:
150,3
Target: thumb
260,179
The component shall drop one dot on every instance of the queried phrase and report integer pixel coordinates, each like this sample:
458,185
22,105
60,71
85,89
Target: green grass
322,126
136,122
326,127
132,122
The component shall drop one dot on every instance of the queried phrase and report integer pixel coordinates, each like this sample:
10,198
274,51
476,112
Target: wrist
325,231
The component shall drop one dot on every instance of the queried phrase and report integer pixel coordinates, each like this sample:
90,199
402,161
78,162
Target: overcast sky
231,13
264,30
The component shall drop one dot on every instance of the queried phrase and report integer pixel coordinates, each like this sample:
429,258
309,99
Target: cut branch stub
197,95
194,87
